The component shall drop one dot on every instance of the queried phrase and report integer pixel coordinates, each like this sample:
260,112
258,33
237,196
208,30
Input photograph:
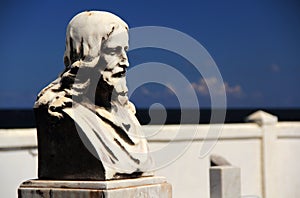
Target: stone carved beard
114,59
108,93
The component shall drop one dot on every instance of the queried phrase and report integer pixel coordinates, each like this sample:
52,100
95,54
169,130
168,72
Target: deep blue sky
256,45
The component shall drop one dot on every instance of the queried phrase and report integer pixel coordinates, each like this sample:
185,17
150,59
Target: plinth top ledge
99,185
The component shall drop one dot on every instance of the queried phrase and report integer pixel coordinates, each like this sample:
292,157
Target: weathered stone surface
87,129
225,182
154,187
62,154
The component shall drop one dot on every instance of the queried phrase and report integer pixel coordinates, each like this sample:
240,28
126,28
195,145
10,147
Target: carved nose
124,59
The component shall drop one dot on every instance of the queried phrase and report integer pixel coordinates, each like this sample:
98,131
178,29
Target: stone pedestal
154,187
225,182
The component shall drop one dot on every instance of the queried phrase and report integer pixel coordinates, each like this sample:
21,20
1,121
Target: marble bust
87,129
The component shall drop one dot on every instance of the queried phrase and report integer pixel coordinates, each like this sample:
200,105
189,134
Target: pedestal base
154,187
225,182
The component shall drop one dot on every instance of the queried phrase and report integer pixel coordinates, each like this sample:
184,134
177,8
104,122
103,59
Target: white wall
18,159
240,144
267,155
288,160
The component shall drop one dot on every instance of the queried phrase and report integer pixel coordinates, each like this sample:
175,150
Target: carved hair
85,34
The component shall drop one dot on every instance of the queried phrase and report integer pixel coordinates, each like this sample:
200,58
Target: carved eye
113,51
118,50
